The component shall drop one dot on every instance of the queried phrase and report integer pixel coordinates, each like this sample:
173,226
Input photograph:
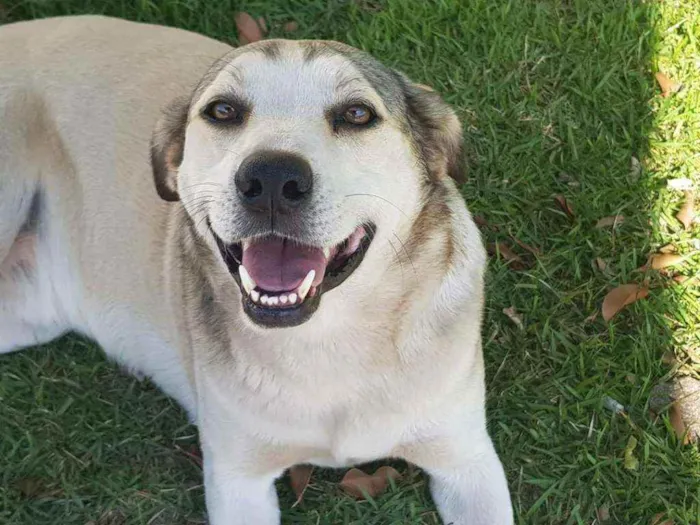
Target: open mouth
282,280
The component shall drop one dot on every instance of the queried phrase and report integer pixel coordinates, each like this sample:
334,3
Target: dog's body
388,365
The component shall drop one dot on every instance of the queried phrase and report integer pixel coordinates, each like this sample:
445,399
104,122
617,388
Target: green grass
556,98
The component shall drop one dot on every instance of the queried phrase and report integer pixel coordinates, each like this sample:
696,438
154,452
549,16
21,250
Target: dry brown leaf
668,358
36,488
514,316
687,212
668,86
262,24
667,248
657,261
534,251
656,520
619,297
511,258
299,478
480,221
248,29
684,279
564,205
614,220
290,27
359,484
600,264
676,419
603,513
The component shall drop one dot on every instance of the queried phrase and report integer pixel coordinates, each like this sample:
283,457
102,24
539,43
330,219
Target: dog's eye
358,115
219,111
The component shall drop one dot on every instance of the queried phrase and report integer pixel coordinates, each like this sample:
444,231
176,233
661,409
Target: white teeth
274,301
247,282
306,285
327,252
255,295
292,298
283,299
264,299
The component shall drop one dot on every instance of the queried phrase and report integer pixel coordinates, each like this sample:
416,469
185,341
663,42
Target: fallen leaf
35,488
360,485
514,316
635,169
262,24
684,279
600,264
676,419
525,246
687,211
480,221
290,27
668,358
667,85
299,477
657,261
248,29
511,258
614,220
667,248
564,205
656,520
631,462
603,513
619,297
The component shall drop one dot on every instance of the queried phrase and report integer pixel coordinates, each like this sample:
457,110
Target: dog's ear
167,148
436,129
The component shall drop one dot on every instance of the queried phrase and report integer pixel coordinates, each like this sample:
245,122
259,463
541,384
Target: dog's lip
290,314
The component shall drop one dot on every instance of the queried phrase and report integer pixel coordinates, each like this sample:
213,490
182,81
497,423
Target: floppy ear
167,148
436,129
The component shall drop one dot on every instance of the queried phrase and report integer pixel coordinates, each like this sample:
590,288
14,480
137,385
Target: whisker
377,197
408,255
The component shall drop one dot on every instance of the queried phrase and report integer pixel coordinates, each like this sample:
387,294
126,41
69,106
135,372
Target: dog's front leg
467,480
237,493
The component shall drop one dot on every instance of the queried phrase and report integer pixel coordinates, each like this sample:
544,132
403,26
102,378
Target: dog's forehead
278,74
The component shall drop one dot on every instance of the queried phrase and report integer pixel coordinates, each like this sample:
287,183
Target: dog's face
299,158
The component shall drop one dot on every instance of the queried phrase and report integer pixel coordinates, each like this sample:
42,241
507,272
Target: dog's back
78,98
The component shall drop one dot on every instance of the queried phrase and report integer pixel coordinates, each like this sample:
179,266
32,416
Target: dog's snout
274,181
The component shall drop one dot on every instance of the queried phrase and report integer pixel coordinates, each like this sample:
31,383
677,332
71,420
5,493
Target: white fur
358,381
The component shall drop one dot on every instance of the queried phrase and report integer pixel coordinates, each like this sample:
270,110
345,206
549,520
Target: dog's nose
274,181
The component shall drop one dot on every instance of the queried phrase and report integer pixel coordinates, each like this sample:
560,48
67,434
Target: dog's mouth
282,280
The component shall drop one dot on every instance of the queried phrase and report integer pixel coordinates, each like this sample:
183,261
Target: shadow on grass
555,99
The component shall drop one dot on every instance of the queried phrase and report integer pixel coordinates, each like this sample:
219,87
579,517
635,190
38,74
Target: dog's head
299,158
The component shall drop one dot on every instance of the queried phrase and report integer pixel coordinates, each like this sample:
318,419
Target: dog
272,233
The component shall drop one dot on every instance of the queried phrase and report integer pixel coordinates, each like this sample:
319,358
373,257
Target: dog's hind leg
20,210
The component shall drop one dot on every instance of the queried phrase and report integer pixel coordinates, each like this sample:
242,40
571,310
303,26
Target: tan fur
102,128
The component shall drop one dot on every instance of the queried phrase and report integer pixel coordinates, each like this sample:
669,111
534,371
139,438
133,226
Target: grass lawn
557,97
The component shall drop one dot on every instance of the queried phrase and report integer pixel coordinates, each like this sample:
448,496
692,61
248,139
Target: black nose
274,181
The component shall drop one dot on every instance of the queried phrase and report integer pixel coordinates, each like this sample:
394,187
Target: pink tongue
279,265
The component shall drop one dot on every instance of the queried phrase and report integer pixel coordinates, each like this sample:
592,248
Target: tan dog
309,283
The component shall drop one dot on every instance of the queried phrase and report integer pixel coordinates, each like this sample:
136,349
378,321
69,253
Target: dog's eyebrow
223,64
346,82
